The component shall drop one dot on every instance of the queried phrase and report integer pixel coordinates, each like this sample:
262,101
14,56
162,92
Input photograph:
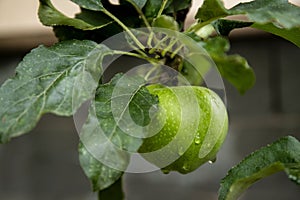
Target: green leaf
280,13
173,7
49,80
95,5
211,10
139,3
114,192
152,7
234,68
50,16
278,17
282,155
292,35
99,35
179,10
120,108
100,175
224,26
95,18
125,12
176,6
92,17
216,45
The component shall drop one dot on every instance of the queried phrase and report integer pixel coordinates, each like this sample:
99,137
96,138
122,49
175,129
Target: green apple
193,123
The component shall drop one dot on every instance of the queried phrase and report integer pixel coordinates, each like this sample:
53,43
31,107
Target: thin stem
144,19
164,3
149,42
196,27
151,51
128,54
151,71
154,62
138,43
140,12
174,53
137,50
168,48
149,59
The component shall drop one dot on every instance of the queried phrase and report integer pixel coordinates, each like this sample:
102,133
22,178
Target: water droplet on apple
186,167
197,139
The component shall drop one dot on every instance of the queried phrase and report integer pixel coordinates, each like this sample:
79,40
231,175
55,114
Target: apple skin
194,125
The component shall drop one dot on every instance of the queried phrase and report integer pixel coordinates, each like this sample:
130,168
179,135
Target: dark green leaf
125,12
292,35
211,10
279,12
110,124
177,6
176,9
114,192
216,45
282,155
55,79
68,33
179,10
152,7
100,175
234,68
224,26
50,16
139,3
95,18
95,5
275,16
278,17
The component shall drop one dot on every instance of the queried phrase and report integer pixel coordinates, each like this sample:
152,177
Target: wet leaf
50,16
282,155
95,5
278,17
55,80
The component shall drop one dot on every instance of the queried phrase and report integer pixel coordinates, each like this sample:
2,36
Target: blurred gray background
44,163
